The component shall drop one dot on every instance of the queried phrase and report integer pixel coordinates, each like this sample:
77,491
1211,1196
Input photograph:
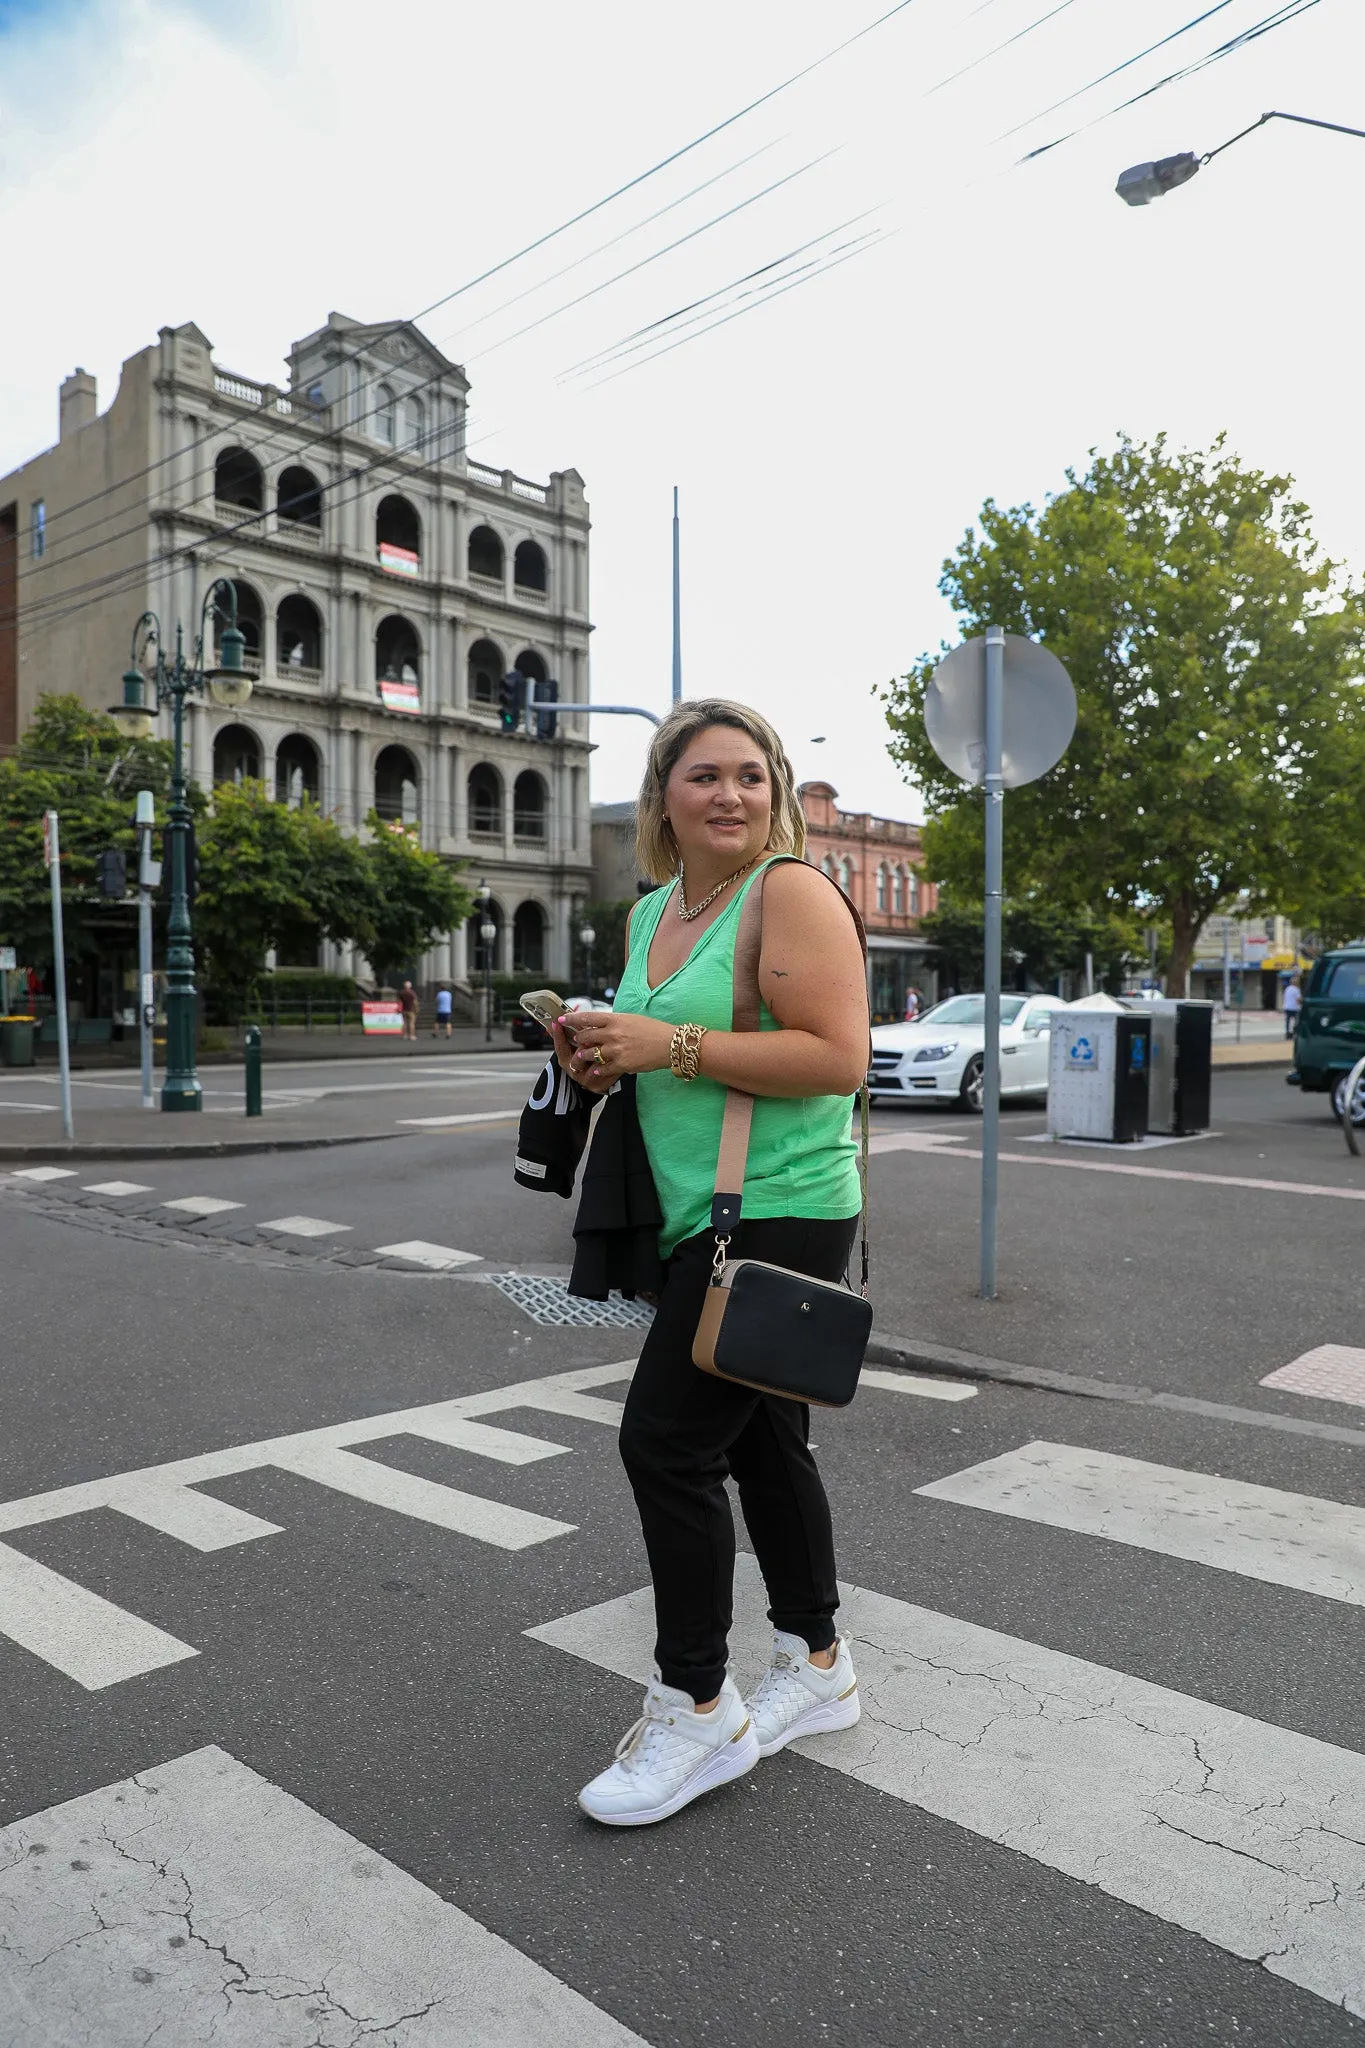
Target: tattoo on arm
780,973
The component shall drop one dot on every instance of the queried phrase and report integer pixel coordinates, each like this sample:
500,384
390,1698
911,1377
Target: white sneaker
671,1756
795,1697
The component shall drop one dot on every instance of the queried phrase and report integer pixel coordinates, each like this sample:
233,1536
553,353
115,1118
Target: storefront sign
381,1017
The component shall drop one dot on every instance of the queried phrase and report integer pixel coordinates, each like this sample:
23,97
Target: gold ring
597,1055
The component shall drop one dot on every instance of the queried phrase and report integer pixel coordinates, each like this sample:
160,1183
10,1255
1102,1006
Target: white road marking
197,1900
424,1500
910,1142
1284,1539
440,1123
1329,1372
32,1108
303,1226
74,1630
917,1383
194,1518
440,1258
115,1187
1151,1142
586,1407
45,1173
70,1627
1249,1835
201,1205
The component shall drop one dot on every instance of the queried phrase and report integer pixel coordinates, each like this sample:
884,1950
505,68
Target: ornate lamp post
488,932
585,939
170,682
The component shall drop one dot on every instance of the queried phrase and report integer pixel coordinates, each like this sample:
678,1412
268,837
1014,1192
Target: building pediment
398,341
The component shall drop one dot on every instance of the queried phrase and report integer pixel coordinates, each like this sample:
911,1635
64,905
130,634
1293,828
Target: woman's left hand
611,1044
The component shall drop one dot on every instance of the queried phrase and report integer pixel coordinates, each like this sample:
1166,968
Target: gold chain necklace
697,908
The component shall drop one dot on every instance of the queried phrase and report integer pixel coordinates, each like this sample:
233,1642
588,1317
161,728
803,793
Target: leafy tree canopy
417,896
74,761
1215,655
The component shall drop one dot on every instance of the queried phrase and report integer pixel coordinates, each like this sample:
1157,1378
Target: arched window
827,866
414,423
528,939
396,655
298,771
249,617
898,891
528,567
881,886
846,876
914,894
395,785
298,498
298,637
237,481
485,672
528,806
383,414
485,802
398,537
531,665
486,556
484,959
236,755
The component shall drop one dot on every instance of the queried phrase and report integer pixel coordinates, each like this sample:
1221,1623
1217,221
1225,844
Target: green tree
1215,655
268,874
416,896
1039,940
608,921
76,762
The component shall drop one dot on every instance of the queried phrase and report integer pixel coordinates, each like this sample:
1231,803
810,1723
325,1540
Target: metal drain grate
549,1301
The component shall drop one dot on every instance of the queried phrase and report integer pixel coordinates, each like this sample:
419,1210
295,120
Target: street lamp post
585,939
488,933
170,683
1140,184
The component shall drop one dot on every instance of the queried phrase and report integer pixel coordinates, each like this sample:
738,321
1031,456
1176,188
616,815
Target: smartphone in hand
545,1006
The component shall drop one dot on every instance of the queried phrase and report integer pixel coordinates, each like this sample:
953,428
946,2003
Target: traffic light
547,722
512,699
111,872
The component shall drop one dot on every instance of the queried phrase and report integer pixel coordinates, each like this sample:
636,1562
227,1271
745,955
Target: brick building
876,862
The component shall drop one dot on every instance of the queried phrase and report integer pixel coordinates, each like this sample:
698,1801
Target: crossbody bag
762,1325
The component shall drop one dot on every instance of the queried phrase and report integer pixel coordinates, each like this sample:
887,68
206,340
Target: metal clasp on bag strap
718,1262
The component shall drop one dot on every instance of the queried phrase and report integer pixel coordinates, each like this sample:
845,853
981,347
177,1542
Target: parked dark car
1331,1034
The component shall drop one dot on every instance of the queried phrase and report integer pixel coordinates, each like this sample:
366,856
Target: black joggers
684,1432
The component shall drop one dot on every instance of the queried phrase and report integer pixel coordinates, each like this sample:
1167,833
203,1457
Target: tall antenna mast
677,607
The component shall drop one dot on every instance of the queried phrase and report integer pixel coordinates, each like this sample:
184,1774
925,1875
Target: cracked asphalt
1102,1794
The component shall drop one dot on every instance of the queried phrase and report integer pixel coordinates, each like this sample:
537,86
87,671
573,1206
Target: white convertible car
941,1056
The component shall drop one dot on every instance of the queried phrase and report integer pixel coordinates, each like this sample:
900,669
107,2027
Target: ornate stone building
385,583
875,861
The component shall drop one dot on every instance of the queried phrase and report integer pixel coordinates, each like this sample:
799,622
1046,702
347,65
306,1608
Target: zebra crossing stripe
196,1519
504,1446
274,1899
1284,1539
425,1500
76,1631
1248,1835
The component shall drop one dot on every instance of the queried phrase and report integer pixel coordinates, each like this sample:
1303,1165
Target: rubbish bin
16,1041
1182,1066
1098,1074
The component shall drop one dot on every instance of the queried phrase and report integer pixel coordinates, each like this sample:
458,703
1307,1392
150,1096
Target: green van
1331,1034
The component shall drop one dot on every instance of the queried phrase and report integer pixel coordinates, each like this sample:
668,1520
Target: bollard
253,1070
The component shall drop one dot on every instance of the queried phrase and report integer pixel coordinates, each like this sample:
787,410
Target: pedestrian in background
911,1005
1293,1003
407,1003
718,801
445,1004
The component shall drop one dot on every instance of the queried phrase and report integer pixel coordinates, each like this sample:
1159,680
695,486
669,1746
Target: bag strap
746,1015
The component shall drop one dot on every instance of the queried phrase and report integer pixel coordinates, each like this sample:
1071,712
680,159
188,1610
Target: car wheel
972,1093
1357,1100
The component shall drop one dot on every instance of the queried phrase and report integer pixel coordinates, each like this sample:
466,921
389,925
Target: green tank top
802,1157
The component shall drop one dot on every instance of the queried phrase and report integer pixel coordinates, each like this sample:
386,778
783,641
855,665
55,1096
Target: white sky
831,447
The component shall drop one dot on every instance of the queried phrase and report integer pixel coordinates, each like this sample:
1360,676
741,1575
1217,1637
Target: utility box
16,1041
1182,1067
1098,1075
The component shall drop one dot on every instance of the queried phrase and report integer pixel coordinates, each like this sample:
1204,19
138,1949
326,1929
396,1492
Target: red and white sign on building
396,695
399,561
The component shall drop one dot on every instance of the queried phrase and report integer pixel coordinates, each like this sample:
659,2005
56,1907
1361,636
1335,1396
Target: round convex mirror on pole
999,712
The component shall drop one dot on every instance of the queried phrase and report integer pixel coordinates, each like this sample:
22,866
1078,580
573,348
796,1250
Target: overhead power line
1114,70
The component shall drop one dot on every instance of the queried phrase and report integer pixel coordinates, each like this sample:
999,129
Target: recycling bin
1182,1067
1099,1066
16,1041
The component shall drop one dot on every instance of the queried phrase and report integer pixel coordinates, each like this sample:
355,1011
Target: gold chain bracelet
684,1051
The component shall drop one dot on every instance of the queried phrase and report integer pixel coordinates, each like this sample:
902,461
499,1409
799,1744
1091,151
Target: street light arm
1304,121
534,703
151,638
211,608
1140,184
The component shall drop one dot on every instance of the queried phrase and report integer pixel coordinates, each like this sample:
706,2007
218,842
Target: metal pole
59,973
1090,974
995,841
146,990
180,1090
677,606
1227,970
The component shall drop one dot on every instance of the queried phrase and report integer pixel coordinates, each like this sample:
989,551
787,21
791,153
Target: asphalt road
303,1771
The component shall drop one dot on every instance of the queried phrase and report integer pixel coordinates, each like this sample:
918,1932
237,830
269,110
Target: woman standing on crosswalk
718,801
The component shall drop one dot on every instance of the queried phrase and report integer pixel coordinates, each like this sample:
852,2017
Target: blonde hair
656,850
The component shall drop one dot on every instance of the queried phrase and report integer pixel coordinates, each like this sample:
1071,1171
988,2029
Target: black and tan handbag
765,1326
